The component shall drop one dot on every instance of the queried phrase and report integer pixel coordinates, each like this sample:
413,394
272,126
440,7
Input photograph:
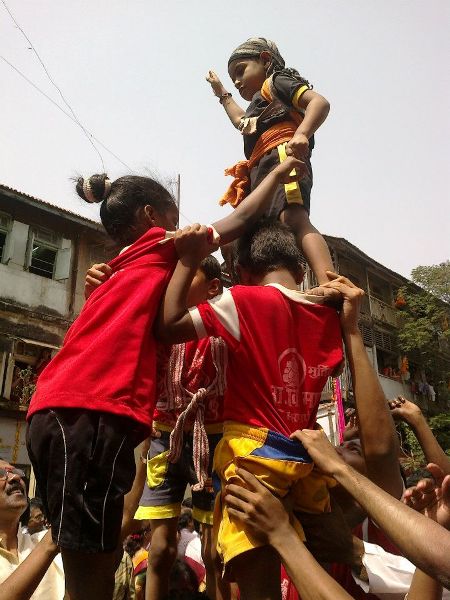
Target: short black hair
36,503
210,266
184,519
267,246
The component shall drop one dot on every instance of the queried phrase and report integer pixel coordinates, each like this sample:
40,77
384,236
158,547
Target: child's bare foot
331,297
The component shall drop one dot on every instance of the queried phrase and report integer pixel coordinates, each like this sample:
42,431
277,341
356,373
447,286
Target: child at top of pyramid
281,119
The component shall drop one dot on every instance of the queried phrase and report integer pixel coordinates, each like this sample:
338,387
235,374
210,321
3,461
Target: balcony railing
383,312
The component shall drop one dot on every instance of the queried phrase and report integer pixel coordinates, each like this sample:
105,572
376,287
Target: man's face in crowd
351,452
13,495
36,522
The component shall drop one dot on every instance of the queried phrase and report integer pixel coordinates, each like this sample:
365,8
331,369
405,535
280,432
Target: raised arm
255,204
174,323
232,108
376,427
21,584
425,543
404,410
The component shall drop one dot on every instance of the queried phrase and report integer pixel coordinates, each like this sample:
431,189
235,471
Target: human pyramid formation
228,381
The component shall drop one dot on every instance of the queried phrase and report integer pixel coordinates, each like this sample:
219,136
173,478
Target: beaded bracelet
224,97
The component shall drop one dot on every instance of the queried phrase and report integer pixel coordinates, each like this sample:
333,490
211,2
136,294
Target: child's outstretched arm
255,204
174,323
316,109
232,108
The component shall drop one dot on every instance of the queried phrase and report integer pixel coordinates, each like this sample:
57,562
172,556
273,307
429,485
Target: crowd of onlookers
370,543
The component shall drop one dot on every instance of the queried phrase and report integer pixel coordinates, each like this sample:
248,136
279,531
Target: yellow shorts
281,464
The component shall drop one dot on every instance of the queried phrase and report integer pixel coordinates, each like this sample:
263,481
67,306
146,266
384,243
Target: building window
43,251
5,228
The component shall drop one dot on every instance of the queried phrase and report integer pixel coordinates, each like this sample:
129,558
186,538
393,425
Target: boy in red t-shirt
189,419
283,344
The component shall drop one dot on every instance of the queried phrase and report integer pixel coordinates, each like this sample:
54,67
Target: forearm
430,446
174,306
423,586
315,114
131,500
21,584
421,540
249,210
233,110
376,426
310,580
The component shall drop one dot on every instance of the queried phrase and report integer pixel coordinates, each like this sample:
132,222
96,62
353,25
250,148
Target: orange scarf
273,137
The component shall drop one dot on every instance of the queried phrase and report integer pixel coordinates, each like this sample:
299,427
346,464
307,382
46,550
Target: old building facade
44,254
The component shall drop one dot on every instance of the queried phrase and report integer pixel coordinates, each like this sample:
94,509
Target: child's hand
193,243
216,84
283,170
95,276
298,146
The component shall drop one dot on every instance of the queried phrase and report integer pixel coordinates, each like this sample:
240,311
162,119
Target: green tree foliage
434,279
425,315
424,334
440,424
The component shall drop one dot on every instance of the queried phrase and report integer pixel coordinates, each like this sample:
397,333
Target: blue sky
134,71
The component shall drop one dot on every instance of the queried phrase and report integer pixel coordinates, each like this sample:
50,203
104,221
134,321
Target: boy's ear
149,213
266,58
214,288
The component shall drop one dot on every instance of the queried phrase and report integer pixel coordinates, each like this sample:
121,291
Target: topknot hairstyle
121,201
268,246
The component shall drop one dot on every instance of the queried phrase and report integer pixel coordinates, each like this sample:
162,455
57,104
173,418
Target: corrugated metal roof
365,257
6,188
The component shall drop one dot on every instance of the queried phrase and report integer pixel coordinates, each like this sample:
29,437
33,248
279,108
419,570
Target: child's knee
294,215
163,552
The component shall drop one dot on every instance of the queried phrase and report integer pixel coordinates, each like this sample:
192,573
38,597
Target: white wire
75,118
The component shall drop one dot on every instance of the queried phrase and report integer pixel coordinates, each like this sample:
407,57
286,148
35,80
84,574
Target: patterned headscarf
253,47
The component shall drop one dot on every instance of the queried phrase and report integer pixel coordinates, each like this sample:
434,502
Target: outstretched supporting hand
404,410
320,450
253,505
431,496
352,296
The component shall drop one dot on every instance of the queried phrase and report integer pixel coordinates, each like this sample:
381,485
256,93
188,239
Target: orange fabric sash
240,187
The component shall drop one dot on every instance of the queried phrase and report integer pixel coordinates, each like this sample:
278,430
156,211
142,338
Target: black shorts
279,200
84,465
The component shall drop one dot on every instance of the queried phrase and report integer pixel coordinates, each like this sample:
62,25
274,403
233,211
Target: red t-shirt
282,347
108,359
183,371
